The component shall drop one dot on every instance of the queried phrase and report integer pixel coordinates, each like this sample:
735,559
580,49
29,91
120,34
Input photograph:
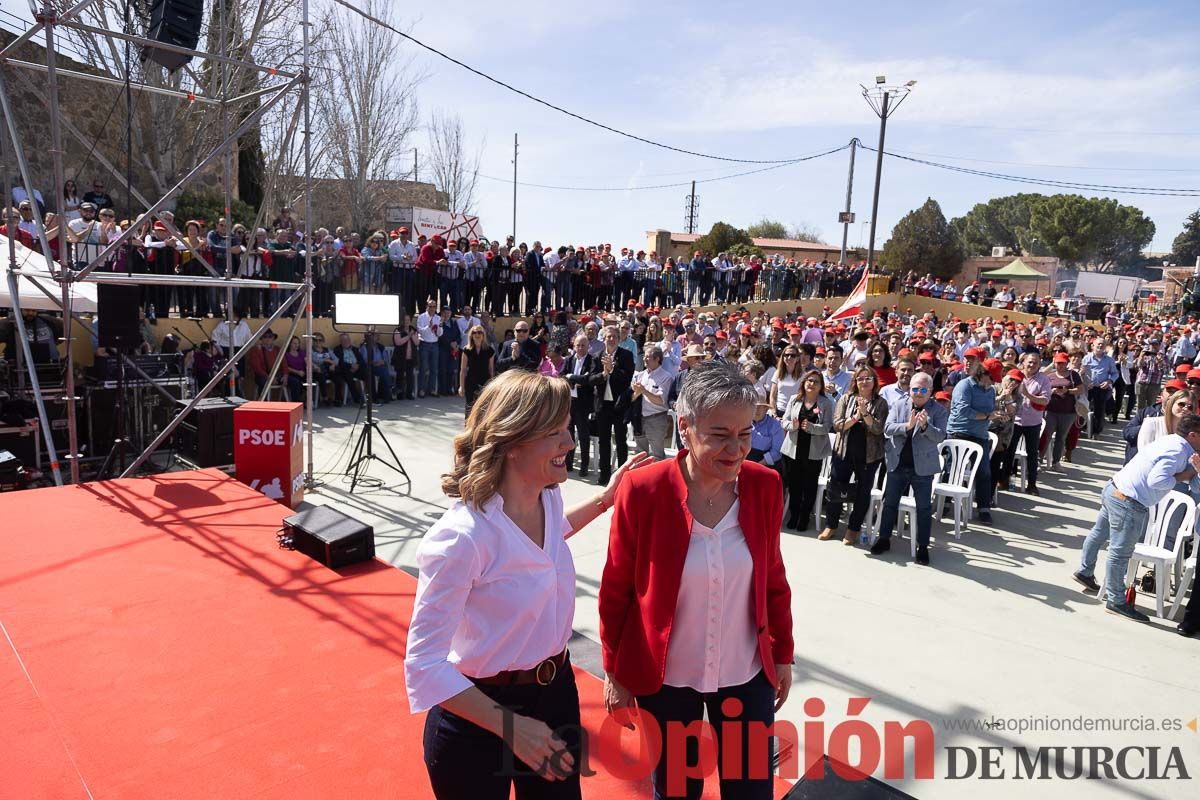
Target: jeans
1058,425
428,371
898,482
842,470
466,761
983,474
1121,523
683,706
653,438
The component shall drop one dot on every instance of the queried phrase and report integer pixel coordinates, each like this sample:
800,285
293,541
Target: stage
158,643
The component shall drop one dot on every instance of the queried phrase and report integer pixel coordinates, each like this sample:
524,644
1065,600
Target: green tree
721,237
924,241
1186,247
1000,222
1091,230
209,205
744,250
768,229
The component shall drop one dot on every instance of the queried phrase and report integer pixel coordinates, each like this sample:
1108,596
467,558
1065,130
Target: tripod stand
364,452
117,451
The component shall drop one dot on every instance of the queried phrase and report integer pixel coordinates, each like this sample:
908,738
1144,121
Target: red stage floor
157,643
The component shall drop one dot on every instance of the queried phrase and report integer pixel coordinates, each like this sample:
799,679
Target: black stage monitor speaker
117,310
206,435
834,787
330,537
174,22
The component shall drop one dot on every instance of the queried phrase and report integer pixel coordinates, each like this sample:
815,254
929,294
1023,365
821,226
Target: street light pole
878,174
884,100
849,191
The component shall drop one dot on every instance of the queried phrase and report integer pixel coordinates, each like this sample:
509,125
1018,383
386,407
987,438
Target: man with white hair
914,429
652,386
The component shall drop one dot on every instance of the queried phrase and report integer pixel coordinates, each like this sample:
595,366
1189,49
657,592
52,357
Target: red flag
854,303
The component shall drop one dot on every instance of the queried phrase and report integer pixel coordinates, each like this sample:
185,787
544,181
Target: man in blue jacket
971,407
914,429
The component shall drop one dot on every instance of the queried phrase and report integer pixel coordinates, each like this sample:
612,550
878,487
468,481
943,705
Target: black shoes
1127,611
985,516
881,546
1089,583
1186,628
923,556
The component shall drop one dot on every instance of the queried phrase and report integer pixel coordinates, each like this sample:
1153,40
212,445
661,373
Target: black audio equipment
176,22
23,443
205,437
832,786
12,473
117,313
327,535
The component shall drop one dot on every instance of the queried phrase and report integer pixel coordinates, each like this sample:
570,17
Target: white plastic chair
1184,582
994,442
822,482
1153,547
960,461
875,505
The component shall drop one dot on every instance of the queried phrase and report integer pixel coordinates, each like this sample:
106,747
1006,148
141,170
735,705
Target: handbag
839,491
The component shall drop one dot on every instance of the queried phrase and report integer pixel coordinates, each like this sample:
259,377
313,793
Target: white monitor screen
366,309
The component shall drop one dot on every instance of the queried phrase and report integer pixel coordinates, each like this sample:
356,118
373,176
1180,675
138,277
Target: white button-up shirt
403,254
488,599
429,327
713,640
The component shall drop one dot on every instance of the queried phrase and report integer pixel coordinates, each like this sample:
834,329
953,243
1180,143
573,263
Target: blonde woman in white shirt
1177,405
495,601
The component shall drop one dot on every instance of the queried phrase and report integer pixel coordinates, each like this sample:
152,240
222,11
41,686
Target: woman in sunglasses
787,379
858,421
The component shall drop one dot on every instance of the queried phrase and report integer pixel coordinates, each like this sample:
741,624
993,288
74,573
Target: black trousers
672,704
864,480
1099,399
581,432
610,424
467,762
800,475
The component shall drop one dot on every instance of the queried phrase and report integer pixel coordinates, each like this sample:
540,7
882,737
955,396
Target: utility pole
847,216
514,228
880,98
692,215
414,165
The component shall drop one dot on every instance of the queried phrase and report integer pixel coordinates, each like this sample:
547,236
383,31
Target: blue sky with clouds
1095,85
1097,92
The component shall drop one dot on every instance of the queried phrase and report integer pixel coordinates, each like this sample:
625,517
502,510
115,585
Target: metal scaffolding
48,19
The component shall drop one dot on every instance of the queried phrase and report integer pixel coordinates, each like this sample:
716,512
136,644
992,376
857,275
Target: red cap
974,352
994,368
1016,373
820,351
1176,385
403,230
1183,368
721,335
942,396
1193,374
778,325
926,356
794,330
1061,358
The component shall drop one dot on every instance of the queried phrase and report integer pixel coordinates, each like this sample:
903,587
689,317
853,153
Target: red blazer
647,545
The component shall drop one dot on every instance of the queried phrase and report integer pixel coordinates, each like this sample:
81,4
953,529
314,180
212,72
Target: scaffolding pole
305,24
208,387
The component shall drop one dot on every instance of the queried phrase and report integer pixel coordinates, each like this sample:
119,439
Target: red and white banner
854,303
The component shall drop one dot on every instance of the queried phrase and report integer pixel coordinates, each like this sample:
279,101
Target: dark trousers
672,704
1098,399
983,475
1124,391
466,761
343,376
1030,432
581,432
610,424
801,476
843,470
898,482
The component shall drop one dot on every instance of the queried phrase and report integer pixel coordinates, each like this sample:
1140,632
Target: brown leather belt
543,674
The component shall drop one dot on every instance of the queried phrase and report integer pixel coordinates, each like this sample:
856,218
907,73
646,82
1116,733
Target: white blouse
488,599
713,640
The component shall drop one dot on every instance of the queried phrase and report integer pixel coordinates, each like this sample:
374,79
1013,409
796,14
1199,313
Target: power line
1050,166
664,185
1074,132
1100,187
552,106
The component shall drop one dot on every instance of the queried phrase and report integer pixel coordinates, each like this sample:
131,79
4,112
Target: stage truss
48,20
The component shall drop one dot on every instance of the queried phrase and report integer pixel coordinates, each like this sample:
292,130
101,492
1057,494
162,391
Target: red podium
268,449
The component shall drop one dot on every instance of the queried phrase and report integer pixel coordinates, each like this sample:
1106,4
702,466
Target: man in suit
913,432
533,279
521,353
578,371
348,370
611,384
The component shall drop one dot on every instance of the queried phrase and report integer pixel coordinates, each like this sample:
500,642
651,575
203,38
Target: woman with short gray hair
695,606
